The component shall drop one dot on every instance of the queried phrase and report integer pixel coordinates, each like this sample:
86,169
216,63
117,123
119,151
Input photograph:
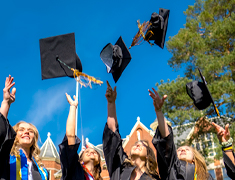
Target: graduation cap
153,30
59,58
60,47
200,94
116,58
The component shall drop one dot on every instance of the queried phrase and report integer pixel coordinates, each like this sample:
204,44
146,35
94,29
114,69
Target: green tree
206,42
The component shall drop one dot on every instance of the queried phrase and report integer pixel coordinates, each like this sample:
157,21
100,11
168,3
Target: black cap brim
210,96
62,47
125,60
106,56
160,38
198,92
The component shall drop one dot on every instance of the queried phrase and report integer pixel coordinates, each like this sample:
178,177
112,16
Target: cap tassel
140,36
84,79
89,79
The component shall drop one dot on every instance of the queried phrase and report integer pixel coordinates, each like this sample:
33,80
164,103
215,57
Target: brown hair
34,149
97,167
150,163
200,165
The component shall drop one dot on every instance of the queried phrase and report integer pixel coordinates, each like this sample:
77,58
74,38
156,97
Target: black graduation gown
170,167
69,160
230,167
7,137
115,156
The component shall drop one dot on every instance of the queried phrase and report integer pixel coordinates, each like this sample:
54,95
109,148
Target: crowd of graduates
19,152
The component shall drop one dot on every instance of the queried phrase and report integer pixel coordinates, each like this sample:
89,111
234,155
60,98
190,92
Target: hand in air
222,134
110,94
72,102
8,96
157,101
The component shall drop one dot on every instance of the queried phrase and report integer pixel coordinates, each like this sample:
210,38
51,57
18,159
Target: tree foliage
207,42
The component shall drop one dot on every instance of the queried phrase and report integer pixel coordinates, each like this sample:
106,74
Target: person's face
185,153
25,135
139,149
90,155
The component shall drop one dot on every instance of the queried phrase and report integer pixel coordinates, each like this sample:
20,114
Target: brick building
50,157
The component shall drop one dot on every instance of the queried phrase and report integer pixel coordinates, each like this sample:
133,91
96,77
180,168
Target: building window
138,136
204,146
208,136
209,144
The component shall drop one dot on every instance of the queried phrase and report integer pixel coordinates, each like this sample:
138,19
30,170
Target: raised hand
110,94
70,101
157,101
222,134
8,96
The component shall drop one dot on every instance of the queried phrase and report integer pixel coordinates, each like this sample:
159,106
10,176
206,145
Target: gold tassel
140,36
88,78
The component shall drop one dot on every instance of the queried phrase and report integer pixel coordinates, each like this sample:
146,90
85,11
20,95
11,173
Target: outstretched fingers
71,101
217,127
68,97
108,84
9,83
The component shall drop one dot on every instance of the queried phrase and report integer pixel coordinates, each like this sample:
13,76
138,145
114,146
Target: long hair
150,162
97,167
34,149
200,165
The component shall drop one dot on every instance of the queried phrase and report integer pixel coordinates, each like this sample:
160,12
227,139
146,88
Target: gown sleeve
230,167
113,152
169,164
7,137
71,168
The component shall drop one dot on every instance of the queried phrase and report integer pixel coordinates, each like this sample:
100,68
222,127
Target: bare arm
158,102
71,121
8,97
223,136
111,95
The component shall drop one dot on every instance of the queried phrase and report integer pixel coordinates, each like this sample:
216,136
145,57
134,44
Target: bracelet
70,135
227,148
227,143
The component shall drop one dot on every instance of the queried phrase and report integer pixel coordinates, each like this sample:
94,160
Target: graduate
19,152
140,165
226,141
85,167
185,163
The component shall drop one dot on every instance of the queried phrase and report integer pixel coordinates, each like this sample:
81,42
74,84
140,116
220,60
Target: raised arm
158,102
71,121
223,135
8,97
111,95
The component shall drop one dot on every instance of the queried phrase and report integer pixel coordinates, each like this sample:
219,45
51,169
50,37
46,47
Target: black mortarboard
158,27
116,58
155,29
60,47
200,94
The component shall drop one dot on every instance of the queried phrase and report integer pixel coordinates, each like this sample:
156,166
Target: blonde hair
34,149
200,165
150,163
97,167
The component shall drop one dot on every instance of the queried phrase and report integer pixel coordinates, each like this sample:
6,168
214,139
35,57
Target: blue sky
95,23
